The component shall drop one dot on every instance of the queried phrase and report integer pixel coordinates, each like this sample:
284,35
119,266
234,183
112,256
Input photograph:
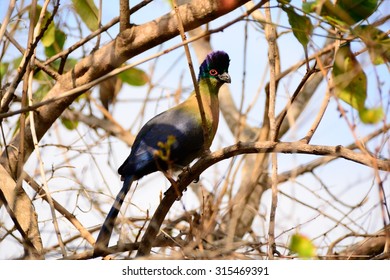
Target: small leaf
57,45
321,7
71,125
349,78
88,12
351,84
377,42
309,7
49,37
356,10
134,77
301,26
344,13
303,246
3,69
371,116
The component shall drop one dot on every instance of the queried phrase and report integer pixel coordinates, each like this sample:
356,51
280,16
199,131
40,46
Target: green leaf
71,125
88,13
356,10
3,69
349,78
309,7
301,25
134,77
49,37
371,116
58,43
377,42
321,7
351,84
344,13
303,246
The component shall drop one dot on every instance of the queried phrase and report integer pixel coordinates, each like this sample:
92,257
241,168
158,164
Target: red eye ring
213,72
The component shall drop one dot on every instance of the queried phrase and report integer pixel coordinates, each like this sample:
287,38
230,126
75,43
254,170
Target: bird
173,138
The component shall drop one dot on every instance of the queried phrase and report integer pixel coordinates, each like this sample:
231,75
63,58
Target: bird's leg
168,175
184,170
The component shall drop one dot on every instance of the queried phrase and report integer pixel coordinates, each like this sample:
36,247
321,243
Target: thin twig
102,29
283,114
84,233
37,32
272,56
4,24
193,76
322,109
6,100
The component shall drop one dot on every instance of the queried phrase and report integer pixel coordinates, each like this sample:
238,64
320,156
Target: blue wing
188,143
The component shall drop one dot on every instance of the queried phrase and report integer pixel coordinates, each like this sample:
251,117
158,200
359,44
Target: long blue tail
108,225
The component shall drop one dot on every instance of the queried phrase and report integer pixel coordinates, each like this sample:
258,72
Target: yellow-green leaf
3,69
49,37
356,10
371,116
344,13
377,42
57,44
88,13
134,77
300,24
303,246
71,125
349,78
350,83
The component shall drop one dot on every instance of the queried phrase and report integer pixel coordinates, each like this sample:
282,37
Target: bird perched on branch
173,138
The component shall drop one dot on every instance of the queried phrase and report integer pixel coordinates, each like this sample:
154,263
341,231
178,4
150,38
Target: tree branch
187,176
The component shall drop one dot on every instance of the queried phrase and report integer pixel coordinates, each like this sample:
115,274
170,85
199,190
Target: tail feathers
108,225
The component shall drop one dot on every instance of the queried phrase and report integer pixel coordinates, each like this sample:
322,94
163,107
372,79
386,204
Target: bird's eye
213,72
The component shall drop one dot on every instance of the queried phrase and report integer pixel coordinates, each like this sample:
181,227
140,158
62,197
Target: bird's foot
206,152
185,170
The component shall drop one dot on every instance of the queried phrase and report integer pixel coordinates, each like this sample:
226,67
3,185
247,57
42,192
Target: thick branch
368,248
244,148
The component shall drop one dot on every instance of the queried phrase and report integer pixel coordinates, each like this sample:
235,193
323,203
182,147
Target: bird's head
215,66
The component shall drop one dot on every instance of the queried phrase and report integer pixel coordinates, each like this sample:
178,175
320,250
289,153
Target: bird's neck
209,86
208,89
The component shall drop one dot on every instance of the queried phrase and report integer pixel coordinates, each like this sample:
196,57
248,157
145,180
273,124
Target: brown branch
124,15
283,113
371,246
7,98
62,210
274,68
102,29
193,75
187,176
109,126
